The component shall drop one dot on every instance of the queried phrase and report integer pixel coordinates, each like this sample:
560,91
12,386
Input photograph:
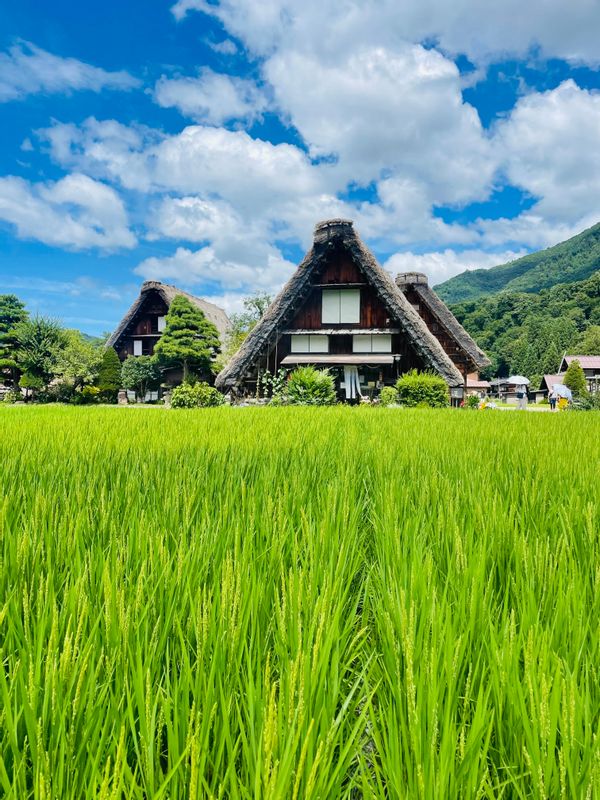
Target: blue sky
199,142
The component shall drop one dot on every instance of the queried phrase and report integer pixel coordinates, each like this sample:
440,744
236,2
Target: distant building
341,310
142,326
590,366
591,369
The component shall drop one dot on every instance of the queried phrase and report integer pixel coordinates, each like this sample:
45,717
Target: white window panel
162,324
372,343
361,344
340,305
381,343
137,347
331,306
350,305
318,343
305,343
300,343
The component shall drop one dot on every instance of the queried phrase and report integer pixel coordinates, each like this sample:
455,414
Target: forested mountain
528,333
573,260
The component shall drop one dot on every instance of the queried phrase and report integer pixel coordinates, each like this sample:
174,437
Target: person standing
522,397
552,399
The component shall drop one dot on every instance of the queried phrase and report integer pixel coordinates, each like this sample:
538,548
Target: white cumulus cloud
212,97
26,69
74,212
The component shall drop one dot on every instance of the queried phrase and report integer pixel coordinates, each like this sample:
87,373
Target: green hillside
567,262
527,333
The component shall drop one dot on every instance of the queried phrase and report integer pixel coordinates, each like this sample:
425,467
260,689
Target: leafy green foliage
528,334
189,339
38,344
12,311
30,381
574,260
422,389
109,375
140,374
575,378
198,395
388,396
310,386
589,344
78,360
242,323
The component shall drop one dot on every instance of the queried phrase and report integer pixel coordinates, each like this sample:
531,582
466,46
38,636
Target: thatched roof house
342,310
142,325
442,323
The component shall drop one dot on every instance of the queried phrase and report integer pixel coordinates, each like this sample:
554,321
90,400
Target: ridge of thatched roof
168,293
417,281
329,235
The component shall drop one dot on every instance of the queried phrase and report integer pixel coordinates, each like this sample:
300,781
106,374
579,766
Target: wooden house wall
144,325
460,358
342,272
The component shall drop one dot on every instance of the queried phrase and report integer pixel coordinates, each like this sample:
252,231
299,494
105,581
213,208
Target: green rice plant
298,603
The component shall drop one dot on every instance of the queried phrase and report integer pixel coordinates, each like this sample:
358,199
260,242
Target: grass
298,603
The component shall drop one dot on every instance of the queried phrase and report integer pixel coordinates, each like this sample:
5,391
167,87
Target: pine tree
575,378
109,377
550,361
189,339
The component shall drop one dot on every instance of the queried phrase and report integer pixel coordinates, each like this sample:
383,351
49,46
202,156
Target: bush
586,402
422,389
575,379
473,401
12,396
208,396
200,395
388,396
109,377
62,392
310,386
184,396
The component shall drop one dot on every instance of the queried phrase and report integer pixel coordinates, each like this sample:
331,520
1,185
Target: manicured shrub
575,378
422,389
310,386
198,395
184,396
388,396
208,396
109,377
472,401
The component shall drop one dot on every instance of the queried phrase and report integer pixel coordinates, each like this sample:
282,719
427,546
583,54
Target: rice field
299,603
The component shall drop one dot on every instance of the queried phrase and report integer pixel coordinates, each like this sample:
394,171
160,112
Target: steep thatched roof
329,236
168,293
417,282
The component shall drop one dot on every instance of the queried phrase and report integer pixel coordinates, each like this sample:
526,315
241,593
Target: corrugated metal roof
587,362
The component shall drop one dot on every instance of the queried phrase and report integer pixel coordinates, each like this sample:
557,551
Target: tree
141,374
189,339
589,344
31,383
242,323
575,378
38,345
12,311
78,360
109,377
